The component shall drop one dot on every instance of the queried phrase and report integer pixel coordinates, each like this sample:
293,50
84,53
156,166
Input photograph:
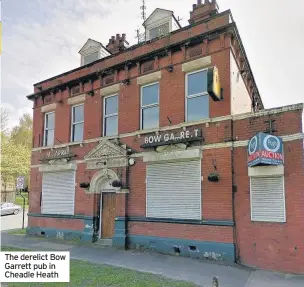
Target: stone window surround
110,90
196,64
76,99
48,108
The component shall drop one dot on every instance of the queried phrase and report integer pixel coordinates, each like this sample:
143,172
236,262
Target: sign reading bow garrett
264,149
172,137
214,86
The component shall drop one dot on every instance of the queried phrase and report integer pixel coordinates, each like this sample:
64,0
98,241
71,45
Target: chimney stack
117,44
203,11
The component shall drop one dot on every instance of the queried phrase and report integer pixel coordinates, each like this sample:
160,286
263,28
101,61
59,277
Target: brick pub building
166,146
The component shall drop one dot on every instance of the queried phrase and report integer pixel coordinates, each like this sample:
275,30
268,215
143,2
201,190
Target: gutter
200,37
246,59
133,47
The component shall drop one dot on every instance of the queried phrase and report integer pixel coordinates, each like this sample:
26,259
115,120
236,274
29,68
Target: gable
105,155
158,16
106,149
90,45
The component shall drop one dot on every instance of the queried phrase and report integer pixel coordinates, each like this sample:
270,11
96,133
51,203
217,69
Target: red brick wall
275,246
172,100
35,191
286,123
137,195
60,223
217,196
215,23
183,231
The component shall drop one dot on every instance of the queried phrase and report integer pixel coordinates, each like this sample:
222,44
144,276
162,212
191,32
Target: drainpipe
236,250
127,200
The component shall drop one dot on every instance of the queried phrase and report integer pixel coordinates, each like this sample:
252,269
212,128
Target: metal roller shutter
174,190
267,199
58,192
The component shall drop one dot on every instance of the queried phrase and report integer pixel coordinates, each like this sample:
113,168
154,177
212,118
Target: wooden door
108,215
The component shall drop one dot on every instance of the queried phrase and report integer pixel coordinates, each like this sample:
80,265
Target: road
13,221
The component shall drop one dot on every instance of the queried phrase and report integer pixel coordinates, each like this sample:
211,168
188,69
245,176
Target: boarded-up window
267,199
174,190
58,192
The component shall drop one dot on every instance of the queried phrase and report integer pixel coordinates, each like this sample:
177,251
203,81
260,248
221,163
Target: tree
4,121
22,134
15,160
16,150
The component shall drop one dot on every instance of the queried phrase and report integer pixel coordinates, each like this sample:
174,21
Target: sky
41,39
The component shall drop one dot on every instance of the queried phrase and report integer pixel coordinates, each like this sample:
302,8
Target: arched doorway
102,183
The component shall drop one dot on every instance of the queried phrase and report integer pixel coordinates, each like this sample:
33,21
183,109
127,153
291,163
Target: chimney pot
199,3
117,44
207,2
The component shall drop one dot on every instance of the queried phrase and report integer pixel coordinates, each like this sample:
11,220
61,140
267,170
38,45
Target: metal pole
23,209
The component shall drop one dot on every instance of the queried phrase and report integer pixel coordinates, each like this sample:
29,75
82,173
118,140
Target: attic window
159,31
91,58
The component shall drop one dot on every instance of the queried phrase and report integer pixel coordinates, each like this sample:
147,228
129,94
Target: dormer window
160,23
91,58
92,51
159,31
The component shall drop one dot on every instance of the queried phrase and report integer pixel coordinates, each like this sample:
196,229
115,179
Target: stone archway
101,183
101,180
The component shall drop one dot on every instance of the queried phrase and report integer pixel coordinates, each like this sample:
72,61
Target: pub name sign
167,138
264,149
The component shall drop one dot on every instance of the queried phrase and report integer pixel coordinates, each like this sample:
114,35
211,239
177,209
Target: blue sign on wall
265,149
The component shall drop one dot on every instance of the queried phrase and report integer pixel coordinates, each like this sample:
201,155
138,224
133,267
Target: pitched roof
90,40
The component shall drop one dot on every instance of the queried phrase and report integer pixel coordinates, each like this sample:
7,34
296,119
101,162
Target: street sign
20,182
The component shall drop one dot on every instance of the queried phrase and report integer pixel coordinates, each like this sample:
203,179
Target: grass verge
18,232
85,274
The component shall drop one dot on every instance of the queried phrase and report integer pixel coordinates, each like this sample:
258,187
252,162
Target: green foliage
3,121
22,134
17,232
16,150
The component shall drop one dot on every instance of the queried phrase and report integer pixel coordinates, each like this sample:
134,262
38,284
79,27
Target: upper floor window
49,124
110,117
197,98
159,31
91,58
150,106
77,123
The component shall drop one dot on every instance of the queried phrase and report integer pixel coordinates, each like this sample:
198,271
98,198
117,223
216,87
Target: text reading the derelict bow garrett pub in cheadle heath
34,266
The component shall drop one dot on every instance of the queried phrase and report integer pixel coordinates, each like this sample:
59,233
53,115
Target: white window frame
73,124
47,129
195,95
284,199
110,115
147,106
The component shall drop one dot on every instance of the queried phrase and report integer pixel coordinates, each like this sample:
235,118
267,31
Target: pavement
13,221
180,268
